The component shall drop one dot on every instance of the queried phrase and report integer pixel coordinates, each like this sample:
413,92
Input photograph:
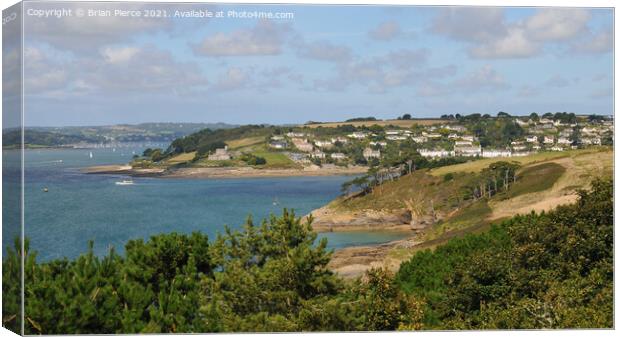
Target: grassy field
275,159
399,123
534,179
478,165
245,142
181,158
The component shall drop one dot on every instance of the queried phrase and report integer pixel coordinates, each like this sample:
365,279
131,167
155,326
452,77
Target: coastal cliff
326,219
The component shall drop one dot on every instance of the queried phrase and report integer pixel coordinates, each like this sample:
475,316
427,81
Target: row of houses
472,151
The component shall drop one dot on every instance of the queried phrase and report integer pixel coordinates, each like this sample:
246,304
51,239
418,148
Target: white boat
90,155
124,182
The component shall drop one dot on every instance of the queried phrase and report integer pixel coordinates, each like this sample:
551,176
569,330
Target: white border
504,3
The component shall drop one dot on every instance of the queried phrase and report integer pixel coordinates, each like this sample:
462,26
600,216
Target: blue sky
328,63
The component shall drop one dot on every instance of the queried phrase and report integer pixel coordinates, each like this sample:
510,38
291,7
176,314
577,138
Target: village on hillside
369,142
450,139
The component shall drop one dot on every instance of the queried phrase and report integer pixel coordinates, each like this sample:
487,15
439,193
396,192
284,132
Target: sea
65,208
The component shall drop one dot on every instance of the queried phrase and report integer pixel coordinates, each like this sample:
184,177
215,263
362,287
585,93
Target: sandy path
579,171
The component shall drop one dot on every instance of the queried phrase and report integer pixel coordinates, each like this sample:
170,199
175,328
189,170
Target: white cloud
515,44
119,55
489,35
120,70
87,35
266,38
552,24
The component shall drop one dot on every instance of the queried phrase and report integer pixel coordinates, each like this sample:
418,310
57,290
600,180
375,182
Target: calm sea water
80,207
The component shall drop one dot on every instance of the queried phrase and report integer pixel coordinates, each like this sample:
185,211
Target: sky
326,63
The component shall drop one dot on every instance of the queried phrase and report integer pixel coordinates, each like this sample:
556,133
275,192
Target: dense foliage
549,270
271,277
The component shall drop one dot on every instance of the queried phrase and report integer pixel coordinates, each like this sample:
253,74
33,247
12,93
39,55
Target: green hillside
551,270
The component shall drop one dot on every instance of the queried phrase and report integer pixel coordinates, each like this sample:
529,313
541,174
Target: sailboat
91,154
275,202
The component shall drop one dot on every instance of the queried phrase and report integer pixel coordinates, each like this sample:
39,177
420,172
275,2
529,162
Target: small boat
275,202
124,182
90,155
45,189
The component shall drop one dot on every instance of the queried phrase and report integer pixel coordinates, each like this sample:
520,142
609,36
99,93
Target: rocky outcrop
327,220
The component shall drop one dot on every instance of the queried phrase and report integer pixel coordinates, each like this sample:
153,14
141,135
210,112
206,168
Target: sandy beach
223,172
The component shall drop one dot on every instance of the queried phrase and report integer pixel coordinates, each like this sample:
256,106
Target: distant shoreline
222,172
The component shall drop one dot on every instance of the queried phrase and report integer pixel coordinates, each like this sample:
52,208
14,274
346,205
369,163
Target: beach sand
223,172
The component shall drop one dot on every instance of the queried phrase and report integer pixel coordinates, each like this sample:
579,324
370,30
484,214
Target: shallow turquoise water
80,207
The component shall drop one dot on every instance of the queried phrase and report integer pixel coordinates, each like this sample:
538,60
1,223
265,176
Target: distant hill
145,132
12,138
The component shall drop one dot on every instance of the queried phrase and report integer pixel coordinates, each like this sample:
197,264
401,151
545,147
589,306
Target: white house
591,141
462,143
467,151
302,145
278,145
358,135
397,137
436,153
340,140
457,128
469,138
392,132
295,135
494,153
338,156
370,153
318,154
531,139
419,139
549,140
564,140
588,130
220,154
326,144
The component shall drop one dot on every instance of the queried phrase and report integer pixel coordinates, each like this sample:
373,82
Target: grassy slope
181,158
419,186
245,142
478,165
544,181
